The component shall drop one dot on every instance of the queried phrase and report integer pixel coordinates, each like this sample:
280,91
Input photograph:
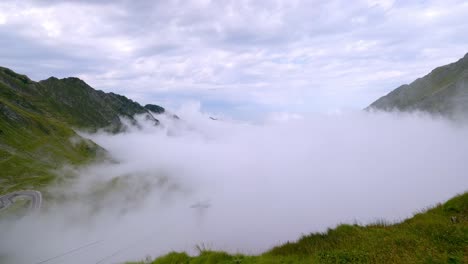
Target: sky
239,57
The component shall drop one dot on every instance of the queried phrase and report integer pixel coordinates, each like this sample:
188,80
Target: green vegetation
76,103
439,235
37,121
442,91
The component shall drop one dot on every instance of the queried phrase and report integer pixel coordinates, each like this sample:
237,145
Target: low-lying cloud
240,187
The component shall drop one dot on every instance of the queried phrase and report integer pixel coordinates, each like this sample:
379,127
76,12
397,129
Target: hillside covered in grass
438,235
443,91
38,122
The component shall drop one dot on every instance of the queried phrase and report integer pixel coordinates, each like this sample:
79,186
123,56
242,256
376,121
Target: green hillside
442,91
79,105
37,122
439,235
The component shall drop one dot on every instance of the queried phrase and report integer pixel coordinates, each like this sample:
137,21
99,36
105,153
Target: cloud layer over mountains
239,186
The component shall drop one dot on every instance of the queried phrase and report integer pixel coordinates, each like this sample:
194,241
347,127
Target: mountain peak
69,80
52,78
155,108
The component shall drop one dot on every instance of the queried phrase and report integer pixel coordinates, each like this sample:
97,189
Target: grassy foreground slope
443,91
439,235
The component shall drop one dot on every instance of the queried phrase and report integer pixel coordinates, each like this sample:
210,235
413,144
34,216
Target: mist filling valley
222,184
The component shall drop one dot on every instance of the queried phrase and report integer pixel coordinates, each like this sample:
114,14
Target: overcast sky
238,57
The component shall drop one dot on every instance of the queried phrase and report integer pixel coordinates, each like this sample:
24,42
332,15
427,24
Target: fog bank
240,187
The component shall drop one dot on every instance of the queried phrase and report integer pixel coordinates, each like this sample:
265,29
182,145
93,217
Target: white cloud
3,19
265,183
275,49
386,4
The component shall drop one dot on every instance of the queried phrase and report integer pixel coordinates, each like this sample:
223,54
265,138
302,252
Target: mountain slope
443,91
32,142
37,121
80,105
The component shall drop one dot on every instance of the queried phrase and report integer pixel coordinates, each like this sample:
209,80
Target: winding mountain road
34,196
